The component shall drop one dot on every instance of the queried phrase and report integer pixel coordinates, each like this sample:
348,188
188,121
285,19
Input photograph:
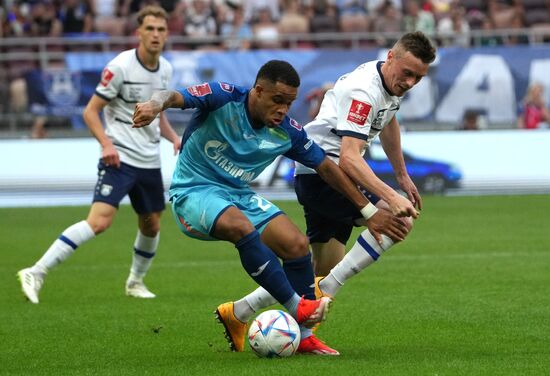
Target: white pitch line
389,258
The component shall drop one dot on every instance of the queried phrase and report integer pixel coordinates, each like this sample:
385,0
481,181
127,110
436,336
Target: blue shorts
328,213
143,186
197,209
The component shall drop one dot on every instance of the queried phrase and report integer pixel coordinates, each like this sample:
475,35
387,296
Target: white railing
45,50
19,53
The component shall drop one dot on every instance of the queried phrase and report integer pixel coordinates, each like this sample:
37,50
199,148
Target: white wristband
369,210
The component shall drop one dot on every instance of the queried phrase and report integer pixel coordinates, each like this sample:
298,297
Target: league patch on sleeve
295,124
358,112
106,77
226,87
200,90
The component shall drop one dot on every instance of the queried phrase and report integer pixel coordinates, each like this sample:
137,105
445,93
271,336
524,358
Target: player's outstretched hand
145,113
383,222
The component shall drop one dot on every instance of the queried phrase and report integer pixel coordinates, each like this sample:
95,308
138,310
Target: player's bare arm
93,121
390,138
169,133
146,112
337,179
379,221
353,164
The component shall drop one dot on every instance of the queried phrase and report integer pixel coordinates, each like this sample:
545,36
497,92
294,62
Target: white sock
64,246
242,310
292,305
305,332
364,252
258,299
145,248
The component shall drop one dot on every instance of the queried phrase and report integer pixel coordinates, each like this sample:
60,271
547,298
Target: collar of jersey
379,69
143,65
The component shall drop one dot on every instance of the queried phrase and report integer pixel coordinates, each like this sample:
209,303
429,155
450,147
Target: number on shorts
261,202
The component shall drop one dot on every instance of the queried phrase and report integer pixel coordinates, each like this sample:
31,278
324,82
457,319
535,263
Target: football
274,334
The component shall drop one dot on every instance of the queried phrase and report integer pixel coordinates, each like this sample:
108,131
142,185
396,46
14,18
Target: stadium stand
37,34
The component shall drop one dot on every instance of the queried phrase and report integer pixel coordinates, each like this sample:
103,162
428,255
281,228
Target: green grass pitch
467,294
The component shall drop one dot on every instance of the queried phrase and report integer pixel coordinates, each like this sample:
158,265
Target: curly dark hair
279,71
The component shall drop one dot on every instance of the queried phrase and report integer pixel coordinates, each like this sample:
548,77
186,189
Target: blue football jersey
221,147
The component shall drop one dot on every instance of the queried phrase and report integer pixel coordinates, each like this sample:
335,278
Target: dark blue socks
264,267
300,275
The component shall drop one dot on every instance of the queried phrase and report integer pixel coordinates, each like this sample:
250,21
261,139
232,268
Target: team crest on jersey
295,124
106,189
106,77
200,90
226,87
358,112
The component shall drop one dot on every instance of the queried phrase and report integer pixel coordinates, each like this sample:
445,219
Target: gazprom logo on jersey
214,150
61,87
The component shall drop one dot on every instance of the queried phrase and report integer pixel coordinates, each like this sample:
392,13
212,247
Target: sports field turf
467,294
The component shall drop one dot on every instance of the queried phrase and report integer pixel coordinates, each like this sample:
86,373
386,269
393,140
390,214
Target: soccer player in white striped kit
130,158
361,106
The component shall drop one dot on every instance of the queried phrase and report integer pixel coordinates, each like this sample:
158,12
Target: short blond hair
151,10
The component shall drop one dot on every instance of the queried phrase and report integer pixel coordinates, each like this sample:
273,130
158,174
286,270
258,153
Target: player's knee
297,246
100,225
234,230
149,225
151,232
408,221
151,229
408,224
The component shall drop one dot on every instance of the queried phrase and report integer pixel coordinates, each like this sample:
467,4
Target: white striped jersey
360,105
125,81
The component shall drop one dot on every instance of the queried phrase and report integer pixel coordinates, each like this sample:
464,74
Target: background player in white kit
130,158
361,106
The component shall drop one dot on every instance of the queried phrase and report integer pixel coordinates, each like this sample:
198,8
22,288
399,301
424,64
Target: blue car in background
429,176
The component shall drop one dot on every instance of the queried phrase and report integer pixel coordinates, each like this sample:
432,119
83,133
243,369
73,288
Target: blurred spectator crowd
253,24
259,23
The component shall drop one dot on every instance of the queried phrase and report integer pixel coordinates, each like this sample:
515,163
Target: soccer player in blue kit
235,134
360,107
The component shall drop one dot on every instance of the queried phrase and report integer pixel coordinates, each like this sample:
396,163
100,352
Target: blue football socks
300,275
264,267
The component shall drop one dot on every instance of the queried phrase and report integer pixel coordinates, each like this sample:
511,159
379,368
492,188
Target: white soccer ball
274,334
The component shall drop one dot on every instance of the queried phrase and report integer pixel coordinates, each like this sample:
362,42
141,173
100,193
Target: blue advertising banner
490,80
61,92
